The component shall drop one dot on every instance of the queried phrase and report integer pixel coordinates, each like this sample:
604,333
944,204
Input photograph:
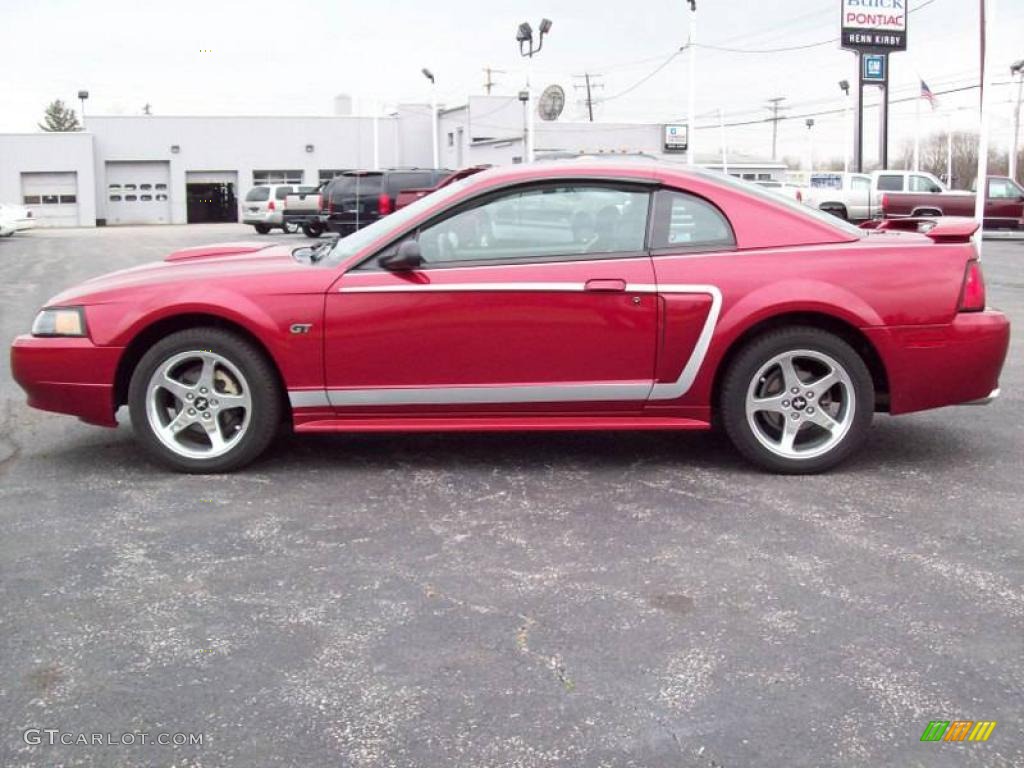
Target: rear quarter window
258,195
686,221
890,183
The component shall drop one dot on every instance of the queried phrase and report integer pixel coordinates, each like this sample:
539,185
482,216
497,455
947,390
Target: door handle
605,284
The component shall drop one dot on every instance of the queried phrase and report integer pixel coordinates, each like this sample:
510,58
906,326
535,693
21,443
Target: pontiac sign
874,25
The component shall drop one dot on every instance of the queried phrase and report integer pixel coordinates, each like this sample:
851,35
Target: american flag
926,93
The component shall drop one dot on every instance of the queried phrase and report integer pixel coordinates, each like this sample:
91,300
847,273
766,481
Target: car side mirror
404,258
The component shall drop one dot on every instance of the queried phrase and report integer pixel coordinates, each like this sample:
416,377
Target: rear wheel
312,230
204,400
289,228
261,229
797,400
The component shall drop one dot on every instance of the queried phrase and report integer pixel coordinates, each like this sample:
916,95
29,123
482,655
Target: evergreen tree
60,118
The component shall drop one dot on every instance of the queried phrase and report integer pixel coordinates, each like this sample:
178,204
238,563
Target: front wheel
204,400
797,400
290,228
261,229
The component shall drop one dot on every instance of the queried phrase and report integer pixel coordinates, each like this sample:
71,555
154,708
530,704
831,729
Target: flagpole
989,10
917,133
949,150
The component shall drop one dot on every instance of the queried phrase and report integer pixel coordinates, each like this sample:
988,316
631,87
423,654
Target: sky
292,58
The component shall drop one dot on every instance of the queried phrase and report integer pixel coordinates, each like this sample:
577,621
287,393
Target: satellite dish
551,103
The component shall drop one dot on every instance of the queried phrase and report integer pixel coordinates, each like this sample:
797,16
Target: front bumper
67,375
937,365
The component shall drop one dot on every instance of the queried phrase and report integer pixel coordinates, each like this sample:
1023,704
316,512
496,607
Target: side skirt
499,424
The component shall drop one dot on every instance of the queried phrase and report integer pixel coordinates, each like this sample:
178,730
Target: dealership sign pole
873,29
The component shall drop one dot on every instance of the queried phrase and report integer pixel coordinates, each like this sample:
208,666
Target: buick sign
876,26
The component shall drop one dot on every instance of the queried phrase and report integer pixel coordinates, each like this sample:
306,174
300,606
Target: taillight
270,206
383,204
972,295
885,202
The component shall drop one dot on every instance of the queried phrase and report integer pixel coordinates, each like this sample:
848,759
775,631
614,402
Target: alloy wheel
198,404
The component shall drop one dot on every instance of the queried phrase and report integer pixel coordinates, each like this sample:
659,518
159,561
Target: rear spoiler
944,229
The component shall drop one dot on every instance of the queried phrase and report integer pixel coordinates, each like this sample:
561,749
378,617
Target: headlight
66,321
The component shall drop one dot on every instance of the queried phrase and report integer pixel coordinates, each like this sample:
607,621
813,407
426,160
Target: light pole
82,96
844,85
810,146
433,113
524,36
691,148
1018,70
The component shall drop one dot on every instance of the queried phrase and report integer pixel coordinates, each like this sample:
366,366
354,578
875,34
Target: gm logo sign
874,68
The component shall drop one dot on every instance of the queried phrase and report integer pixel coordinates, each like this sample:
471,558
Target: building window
161,197
160,186
31,199
146,197
764,177
113,186
50,200
276,177
451,139
145,186
130,198
129,186
327,175
115,198
68,199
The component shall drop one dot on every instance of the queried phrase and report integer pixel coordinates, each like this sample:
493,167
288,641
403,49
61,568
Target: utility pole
986,122
588,85
691,148
490,83
775,105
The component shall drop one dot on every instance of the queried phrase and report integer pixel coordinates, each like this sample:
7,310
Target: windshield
806,210
349,246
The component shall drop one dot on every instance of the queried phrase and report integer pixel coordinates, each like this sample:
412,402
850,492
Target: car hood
201,264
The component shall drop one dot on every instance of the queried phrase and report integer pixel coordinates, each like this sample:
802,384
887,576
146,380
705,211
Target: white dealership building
175,169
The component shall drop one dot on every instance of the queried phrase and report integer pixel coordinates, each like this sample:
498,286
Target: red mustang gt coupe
564,296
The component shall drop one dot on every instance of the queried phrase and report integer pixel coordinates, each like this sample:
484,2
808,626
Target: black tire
756,354
261,229
265,395
312,230
839,211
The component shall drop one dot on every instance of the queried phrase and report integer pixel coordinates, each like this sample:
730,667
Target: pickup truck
302,208
1004,204
846,195
406,196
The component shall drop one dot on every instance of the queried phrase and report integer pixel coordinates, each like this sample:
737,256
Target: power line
646,77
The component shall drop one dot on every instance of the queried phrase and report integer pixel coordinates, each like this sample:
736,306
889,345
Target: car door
534,299
859,199
1003,206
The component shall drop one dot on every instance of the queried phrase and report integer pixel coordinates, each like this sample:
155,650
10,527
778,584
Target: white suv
264,207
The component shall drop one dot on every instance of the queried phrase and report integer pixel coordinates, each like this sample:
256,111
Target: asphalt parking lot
486,600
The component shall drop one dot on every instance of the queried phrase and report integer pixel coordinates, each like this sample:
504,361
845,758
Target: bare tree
965,158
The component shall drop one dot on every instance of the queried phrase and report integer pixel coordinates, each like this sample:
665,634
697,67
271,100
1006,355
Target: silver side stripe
525,393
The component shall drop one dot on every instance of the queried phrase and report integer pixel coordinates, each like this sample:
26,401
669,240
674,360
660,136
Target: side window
1003,189
922,184
683,220
282,192
860,184
890,183
548,221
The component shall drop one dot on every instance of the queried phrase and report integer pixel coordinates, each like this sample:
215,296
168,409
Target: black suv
357,198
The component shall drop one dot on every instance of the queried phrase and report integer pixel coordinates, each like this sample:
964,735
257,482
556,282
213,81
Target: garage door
52,198
138,193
